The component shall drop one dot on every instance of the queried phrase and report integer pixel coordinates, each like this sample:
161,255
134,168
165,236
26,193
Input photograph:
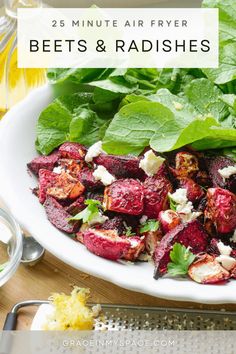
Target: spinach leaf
183,111
173,139
134,125
204,96
226,71
227,17
85,126
54,121
63,121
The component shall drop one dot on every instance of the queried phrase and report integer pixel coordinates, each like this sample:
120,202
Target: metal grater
119,317
122,317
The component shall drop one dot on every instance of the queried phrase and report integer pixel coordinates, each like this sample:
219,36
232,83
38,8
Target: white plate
17,135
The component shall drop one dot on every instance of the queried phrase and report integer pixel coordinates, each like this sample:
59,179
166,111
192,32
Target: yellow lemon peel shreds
71,311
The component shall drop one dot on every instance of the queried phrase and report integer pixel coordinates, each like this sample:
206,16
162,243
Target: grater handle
10,322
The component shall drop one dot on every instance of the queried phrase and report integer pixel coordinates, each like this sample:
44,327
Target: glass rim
14,259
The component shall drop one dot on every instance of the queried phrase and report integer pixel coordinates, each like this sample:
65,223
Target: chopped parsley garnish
129,231
90,212
181,258
173,204
150,225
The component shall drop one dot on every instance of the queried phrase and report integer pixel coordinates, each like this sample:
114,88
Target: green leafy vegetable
204,96
173,204
133,126
130,108
226,72
129,231
181,259
91,211
150,225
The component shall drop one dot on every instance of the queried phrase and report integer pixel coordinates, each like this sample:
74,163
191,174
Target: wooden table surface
52,275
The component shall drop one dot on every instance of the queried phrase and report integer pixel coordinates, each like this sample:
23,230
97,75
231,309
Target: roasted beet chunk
186,164
87,179
58,216
120,166
46,180
189,234
105,243
116,223
137,246
72,151
70,166
65,187
218,163
194,191
221,210
43,162
77,206
156,195
124,196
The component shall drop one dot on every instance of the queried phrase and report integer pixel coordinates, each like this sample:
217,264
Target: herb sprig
181,258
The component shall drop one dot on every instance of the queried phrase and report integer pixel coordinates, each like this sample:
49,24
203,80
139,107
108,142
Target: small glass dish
12,240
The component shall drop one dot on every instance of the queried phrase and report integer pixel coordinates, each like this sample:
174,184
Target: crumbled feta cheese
179,196
151,163
134,243
226,261
233,238
227,171
101,174
184,207
98,219
223,249
190,216
94,151
58,170
143,219
178,106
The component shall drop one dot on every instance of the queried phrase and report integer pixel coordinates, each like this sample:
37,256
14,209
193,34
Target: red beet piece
72,151
43,162
217,163
156,195
121,166
87,179
105,243
221,210
212,248
75,207
46,180
190,234
116,223
194,191
124,196
65,187
137,246
58,216
71,166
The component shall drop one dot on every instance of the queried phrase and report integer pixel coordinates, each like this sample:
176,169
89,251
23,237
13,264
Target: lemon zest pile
70,311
